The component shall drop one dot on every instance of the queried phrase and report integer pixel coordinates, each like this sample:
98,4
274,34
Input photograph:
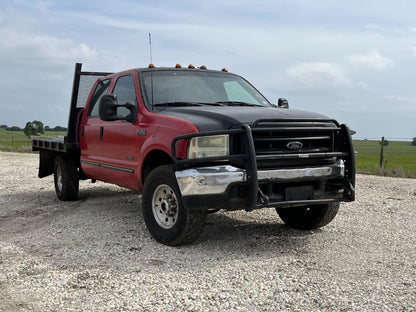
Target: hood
216,118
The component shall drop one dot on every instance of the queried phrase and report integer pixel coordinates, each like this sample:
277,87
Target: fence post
381,152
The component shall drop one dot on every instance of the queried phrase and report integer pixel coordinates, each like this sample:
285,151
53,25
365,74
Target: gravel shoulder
95,254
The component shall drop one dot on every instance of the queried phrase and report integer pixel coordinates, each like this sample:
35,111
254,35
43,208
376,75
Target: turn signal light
178,66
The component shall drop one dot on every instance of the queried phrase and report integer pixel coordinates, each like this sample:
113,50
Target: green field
17,139
399,158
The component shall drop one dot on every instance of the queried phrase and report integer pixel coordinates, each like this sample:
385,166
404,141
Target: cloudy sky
354,61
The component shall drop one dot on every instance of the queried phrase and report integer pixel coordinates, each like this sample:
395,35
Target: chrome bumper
216,179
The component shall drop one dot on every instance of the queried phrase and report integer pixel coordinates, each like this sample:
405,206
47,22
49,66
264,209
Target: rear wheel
308,217
66,178
166,218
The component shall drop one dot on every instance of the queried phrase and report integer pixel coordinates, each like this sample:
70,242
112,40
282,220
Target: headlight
208,146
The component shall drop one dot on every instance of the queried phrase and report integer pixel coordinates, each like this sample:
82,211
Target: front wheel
308,217
66,178
166,218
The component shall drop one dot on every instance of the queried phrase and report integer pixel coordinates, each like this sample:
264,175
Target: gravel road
95,254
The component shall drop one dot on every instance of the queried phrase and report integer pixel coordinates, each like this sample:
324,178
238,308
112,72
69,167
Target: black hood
215,118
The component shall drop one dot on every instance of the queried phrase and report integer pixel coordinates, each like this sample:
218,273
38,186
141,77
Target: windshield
176,88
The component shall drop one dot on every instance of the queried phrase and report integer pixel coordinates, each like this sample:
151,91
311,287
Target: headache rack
81,87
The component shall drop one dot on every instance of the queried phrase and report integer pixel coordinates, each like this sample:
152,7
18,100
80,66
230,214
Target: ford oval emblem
294,146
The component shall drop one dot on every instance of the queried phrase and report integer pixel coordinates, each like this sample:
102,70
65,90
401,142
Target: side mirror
108,109
283,103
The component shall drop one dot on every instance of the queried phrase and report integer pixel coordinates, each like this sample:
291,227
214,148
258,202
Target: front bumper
223,186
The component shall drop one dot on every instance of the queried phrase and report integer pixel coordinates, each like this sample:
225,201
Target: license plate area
299,193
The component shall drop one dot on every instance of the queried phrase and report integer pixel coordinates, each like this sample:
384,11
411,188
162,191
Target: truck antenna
151,64
150,47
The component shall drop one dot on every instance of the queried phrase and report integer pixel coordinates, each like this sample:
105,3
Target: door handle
101,133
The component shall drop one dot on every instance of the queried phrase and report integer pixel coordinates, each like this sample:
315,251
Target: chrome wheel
166,218
165,206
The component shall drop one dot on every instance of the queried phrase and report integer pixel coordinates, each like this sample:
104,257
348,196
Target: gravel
95,254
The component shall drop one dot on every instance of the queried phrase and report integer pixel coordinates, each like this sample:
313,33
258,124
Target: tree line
33,128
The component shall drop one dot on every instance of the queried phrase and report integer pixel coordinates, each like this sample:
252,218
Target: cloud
318,74
399,103
32,46
37,71
373,60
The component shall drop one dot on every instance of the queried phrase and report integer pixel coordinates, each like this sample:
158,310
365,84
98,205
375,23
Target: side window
125,92
100,90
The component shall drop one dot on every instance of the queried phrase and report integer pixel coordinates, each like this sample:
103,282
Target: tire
308,217
166,218
66,178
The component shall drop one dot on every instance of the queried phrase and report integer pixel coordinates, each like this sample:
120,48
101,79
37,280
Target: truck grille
294,143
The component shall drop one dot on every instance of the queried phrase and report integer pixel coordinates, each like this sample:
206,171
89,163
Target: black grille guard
250,158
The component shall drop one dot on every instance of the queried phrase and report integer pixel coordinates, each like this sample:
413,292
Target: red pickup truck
194,141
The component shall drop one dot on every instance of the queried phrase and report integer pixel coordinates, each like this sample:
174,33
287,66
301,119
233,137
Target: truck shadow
262,234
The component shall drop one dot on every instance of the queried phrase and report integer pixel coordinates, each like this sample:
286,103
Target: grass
399,158
18,141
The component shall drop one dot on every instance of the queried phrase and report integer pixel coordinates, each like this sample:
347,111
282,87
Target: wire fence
15,141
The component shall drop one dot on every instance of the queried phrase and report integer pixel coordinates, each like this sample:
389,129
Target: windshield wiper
179,103
236,103
212,104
